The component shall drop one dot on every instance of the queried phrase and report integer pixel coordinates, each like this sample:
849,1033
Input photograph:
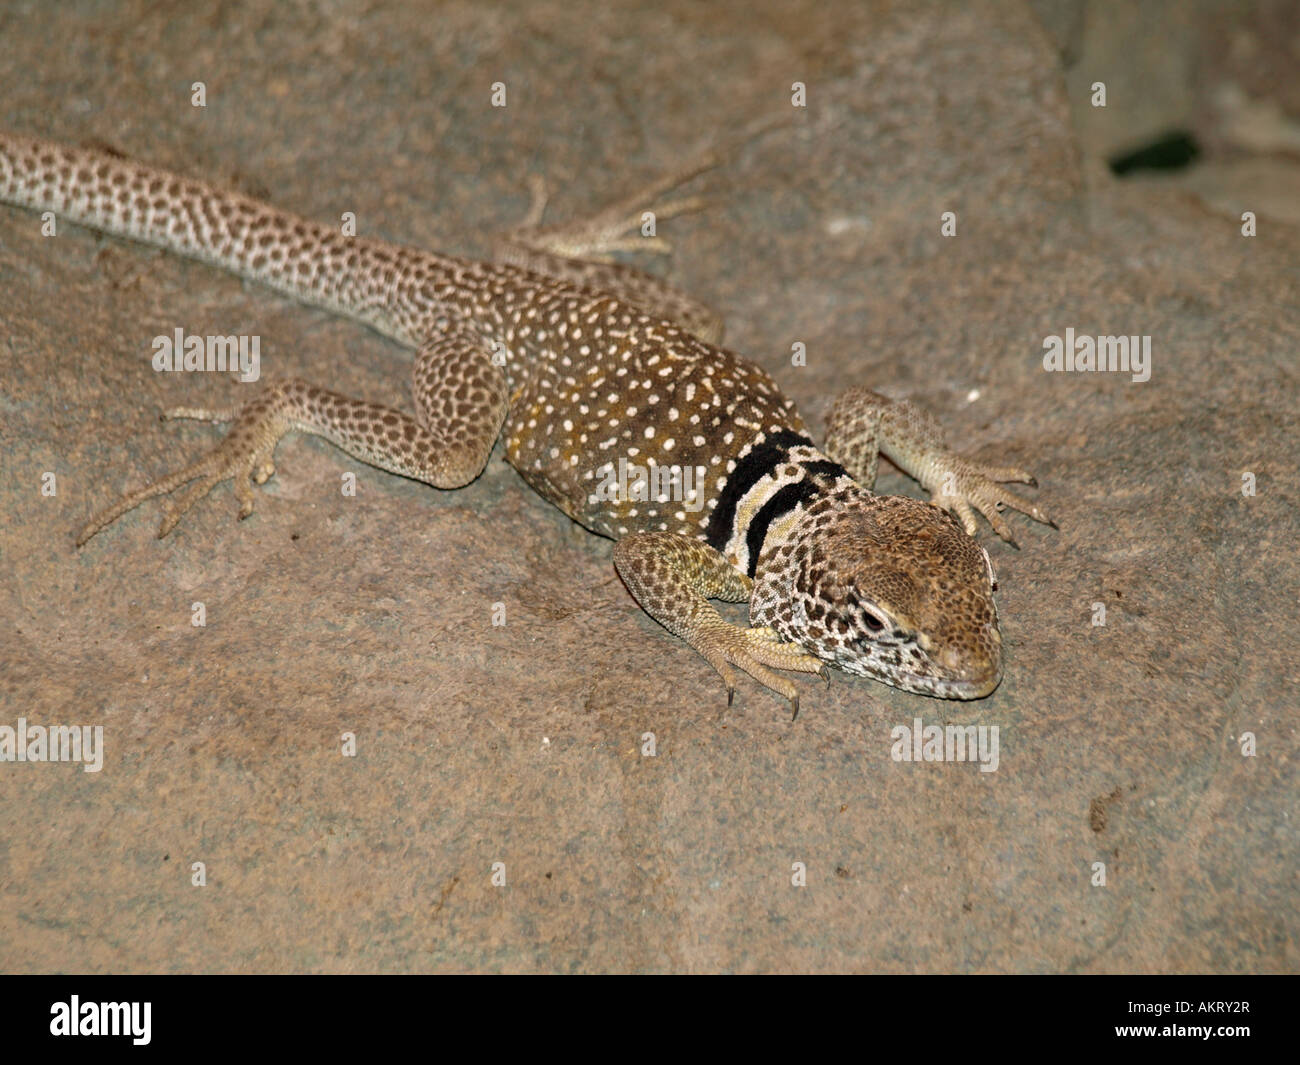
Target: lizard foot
960,484
244,455
757,651
617,228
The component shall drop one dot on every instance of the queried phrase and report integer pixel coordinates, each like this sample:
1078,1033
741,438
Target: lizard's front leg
673,578
862,424
460,399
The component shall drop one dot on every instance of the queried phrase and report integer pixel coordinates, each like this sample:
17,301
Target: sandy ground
524,744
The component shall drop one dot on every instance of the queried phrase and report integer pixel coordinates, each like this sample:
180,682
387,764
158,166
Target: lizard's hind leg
581,252
461,401
616,227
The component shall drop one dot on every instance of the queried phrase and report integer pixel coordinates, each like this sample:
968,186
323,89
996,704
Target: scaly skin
580,362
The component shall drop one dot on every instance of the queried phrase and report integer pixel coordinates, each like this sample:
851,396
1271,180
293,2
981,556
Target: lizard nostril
981,665
951,659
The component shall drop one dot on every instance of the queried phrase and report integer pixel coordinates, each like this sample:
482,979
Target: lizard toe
758,652
244,455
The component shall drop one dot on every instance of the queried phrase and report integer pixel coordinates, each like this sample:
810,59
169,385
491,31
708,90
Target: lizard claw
757,651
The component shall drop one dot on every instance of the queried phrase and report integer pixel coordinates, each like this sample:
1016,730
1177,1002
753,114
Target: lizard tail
303,259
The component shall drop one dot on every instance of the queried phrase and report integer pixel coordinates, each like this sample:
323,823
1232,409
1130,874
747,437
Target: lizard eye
870,618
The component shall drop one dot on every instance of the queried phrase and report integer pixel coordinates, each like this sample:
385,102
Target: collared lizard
580,361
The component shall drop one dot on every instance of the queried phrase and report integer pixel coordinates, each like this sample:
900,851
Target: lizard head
886,587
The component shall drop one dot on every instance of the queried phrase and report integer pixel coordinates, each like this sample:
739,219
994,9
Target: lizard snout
973,669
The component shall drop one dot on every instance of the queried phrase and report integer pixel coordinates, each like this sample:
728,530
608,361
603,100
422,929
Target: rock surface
523,744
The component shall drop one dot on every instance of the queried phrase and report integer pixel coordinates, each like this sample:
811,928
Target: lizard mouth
975,689
959,680
949,687
945,685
